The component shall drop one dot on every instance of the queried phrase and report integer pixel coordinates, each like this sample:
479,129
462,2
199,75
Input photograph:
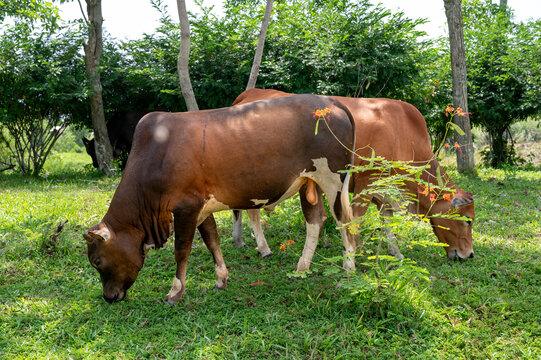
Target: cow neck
140,216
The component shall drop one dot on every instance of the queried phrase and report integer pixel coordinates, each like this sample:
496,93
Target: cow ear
462,198
99,232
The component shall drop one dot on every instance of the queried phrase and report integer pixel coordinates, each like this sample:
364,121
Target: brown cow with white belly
193,164
395,130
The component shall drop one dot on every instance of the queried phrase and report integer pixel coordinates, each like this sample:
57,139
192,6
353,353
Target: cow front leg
185,222
262,246
237,229
315,215
392,244
210,236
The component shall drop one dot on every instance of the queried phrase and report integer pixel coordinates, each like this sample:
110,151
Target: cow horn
462,198
102,233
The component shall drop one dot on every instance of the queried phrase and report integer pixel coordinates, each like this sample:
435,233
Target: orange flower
321,112
447,197
459,112
432,197
423,190
283,246
457,147
449,109
447,146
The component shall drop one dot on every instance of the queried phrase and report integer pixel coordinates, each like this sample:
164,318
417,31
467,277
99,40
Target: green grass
51,304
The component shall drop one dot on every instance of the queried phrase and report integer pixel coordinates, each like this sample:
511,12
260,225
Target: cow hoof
173,299
265,253
219,287
239,243
349,266
170,300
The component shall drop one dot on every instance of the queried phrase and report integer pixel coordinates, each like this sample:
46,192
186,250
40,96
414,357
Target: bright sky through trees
131,18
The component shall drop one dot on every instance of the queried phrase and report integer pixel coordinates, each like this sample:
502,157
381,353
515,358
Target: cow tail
344,194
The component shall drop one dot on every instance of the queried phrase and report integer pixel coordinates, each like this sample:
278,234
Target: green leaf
457,129
438,175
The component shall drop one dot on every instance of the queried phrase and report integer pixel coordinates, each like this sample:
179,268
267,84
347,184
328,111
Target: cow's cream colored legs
338,198
237,228
315,215
262,246
386,210
255,219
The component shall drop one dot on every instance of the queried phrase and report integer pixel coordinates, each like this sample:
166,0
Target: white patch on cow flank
259,202
147,248
323,176
161,134
211,205
292,190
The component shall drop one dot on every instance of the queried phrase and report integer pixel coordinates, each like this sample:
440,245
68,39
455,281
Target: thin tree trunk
503,3
260,46
93,47
184,58
453,11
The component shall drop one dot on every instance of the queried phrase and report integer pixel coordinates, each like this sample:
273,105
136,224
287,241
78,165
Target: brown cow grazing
196,163
395,130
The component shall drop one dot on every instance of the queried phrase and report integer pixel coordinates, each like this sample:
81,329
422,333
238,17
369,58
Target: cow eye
97,262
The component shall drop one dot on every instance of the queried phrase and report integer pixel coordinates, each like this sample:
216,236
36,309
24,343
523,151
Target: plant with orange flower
321,114
284,245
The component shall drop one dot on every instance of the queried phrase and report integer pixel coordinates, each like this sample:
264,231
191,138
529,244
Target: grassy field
51,304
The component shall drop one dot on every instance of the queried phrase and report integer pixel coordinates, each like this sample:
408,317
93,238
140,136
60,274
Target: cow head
456,233
90,150
116,259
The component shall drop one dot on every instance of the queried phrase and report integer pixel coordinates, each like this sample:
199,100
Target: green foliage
342,48
71,141
503,73
51,304
345,49
41,91
31,12
386,285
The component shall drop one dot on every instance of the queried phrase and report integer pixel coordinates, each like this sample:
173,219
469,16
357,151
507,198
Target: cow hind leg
237,229
210,236
315,215
262,246
339,204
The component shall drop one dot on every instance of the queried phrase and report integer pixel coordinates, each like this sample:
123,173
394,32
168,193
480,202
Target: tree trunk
92,47
184,58
499,150
260,45
503,3
453,11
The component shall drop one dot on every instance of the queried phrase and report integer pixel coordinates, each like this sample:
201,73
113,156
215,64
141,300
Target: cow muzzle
455,255
116,296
